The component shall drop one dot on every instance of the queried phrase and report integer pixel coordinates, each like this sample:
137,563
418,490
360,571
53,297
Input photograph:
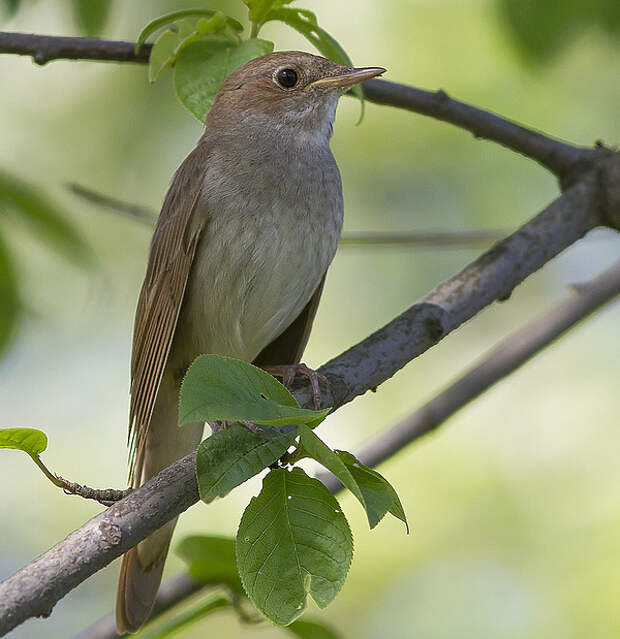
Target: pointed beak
349,77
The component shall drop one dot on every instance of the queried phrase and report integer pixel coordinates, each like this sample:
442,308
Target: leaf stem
255,30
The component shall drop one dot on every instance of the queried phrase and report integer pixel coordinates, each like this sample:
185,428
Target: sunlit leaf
211,560
293,541
91,16
9,298
202,67
231,456
164,20
43,218
224,388
30,440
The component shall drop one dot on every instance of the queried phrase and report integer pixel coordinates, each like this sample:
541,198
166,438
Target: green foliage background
514,506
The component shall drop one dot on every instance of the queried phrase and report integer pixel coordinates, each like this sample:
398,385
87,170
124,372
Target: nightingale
237,262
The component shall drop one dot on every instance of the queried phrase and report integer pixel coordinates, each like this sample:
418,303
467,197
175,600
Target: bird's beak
349,77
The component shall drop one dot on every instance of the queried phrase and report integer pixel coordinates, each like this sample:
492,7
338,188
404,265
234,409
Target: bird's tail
142,566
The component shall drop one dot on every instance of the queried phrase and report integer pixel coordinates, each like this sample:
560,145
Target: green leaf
379,495
9,298
162,54
91,16
259,9
371,489
30,440
305,22
293,540
42,217
319,450
211,560
231,456
202,67
182,33
162,21
224,388
188,617
307,629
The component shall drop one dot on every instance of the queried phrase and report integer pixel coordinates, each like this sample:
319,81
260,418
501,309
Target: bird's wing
289,346
172,252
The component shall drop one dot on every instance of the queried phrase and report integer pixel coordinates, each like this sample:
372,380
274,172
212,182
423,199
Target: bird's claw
288,372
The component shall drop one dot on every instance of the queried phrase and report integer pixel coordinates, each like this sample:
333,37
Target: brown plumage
247,230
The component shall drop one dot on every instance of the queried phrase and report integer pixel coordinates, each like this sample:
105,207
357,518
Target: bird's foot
288,372
217,426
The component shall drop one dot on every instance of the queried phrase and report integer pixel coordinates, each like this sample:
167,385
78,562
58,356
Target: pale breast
272,230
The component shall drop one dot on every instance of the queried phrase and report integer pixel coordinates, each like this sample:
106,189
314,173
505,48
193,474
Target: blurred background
515,502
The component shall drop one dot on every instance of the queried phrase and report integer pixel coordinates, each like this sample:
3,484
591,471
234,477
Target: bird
246,233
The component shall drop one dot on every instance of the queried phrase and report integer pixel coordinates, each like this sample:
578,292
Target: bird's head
286,90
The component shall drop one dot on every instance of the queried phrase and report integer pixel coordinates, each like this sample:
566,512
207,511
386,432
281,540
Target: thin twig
351,239
135,211
105,496
500,362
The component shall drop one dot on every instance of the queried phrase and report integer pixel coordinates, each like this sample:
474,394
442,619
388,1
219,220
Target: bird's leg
288,372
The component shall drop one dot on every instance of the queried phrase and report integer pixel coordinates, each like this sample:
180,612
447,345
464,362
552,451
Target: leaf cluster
204,46
293,539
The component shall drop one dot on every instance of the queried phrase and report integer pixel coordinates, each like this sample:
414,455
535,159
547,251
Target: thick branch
564,160
35,589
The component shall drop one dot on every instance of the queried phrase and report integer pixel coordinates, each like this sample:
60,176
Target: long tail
142,566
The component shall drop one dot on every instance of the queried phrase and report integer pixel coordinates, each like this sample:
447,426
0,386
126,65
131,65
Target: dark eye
287,78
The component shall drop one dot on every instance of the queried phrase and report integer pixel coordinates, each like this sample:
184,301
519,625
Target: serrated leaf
379,494
223,388
42,217
30,440
211,560
162,21
91,16
202,67
293,541
309,629
305,22
9,297
231,456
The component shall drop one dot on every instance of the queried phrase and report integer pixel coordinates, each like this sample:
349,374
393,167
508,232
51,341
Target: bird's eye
286,78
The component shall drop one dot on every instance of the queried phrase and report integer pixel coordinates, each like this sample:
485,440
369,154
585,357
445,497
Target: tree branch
35,589
566,161
500,362
504,359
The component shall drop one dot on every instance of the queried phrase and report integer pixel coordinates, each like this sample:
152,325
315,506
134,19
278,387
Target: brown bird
246,233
